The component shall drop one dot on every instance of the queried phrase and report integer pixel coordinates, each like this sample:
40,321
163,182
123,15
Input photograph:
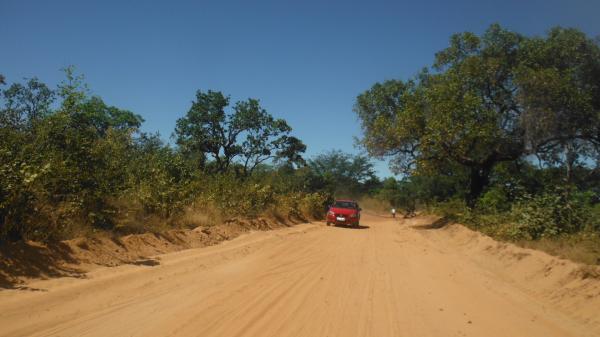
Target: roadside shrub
234,196
78,165
288,205
454,209
494,201
550,214
313,205
593,224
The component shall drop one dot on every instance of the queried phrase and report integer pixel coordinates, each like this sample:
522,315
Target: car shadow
352,227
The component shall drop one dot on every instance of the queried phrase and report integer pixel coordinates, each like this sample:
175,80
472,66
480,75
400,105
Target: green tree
65,164
248,136
25,104
344,173
560,91
81,164
472,110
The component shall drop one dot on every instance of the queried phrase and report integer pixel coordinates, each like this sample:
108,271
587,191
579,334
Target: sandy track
390,279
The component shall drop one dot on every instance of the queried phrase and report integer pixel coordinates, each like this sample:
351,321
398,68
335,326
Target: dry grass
581,247
204,217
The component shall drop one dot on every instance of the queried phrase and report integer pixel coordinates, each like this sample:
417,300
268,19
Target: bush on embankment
72,165
563,223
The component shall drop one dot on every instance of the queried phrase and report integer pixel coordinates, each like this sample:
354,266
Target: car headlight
354,215
330,213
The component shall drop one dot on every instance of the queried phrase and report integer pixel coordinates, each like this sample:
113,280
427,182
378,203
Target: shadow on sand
438,224
146,262
23,260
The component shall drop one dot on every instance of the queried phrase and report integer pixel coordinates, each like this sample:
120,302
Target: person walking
393,212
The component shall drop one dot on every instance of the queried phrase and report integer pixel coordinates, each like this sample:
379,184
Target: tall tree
560,91
345,173
248,135
25,104
472,109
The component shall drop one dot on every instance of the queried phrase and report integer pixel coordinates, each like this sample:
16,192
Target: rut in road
390,278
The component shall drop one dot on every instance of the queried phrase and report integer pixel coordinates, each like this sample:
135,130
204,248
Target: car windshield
344,204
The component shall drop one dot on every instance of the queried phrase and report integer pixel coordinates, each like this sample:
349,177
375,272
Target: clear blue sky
305,60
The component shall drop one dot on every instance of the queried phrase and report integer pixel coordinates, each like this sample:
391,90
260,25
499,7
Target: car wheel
328,223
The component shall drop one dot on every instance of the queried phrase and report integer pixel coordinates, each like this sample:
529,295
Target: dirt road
389,278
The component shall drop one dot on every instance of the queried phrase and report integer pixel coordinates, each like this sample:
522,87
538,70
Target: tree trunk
570,159
479,179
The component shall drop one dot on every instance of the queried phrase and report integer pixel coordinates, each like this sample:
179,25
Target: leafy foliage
85,166
495,98
249,132
500,134
344,174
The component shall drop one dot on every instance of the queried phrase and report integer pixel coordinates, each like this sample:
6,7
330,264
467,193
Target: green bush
454,209
314,204
554,212
86,167
551,213
494,201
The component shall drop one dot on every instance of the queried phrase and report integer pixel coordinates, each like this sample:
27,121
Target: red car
344,212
